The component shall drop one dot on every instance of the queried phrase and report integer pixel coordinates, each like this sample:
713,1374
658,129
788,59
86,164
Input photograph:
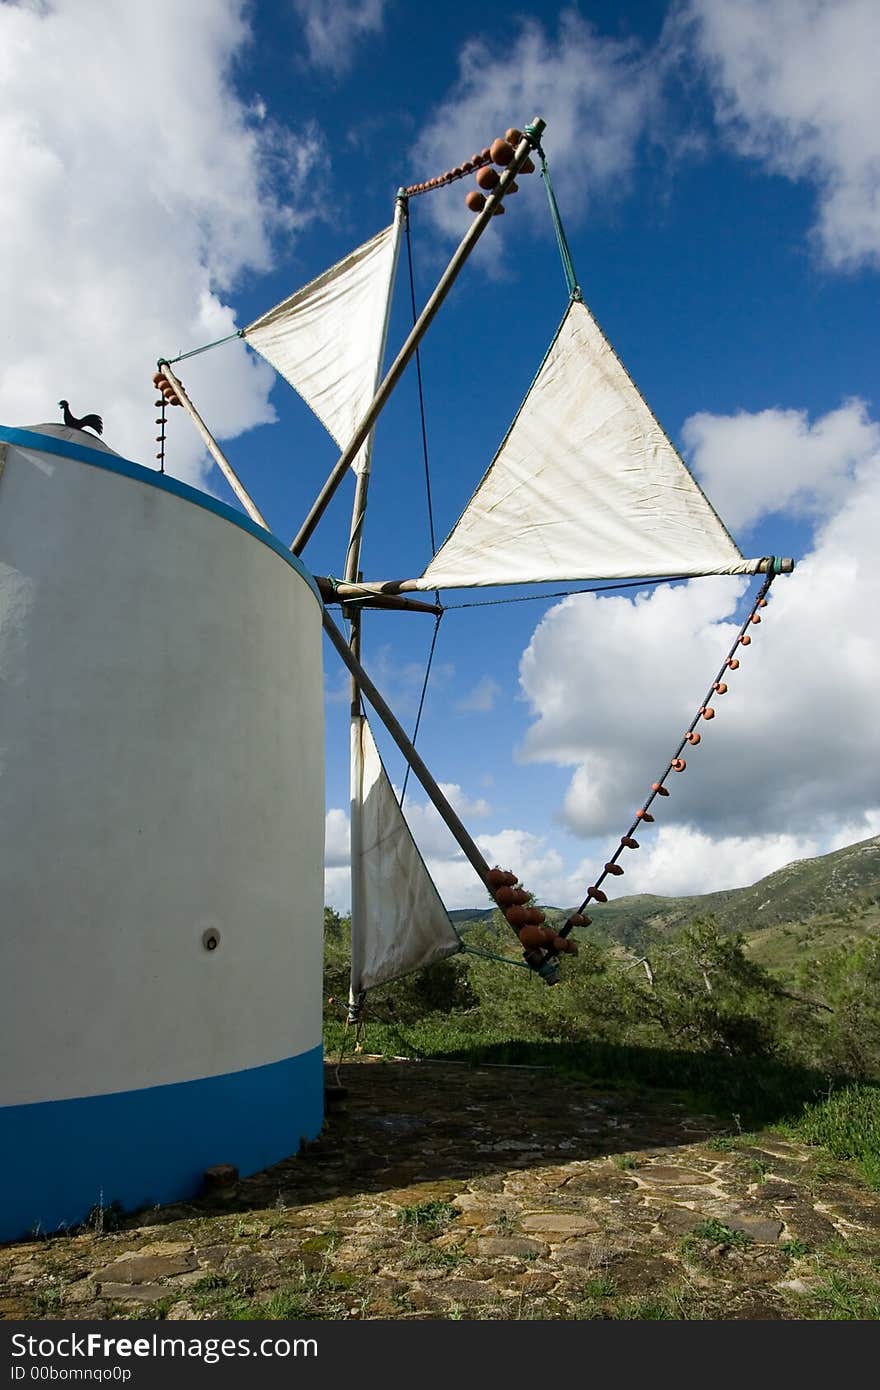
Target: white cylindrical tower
161,836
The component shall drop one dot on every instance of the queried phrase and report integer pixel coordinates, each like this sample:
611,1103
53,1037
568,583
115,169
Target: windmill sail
398,921
585,485
327,340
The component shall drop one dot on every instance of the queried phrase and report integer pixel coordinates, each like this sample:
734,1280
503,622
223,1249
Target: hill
820,902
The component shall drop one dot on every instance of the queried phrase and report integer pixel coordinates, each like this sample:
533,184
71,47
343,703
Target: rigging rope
412,297
490,955
676,762
424,428
574,288
194,352
567,593
421,702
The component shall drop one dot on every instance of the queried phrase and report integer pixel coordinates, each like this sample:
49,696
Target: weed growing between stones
714,1233
423,1214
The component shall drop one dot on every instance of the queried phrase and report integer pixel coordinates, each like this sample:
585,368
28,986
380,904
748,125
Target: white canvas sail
398,921
328,339
586,485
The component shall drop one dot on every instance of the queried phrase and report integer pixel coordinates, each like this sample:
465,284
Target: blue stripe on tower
62,1158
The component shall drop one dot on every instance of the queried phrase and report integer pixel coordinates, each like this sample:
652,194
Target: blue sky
717,165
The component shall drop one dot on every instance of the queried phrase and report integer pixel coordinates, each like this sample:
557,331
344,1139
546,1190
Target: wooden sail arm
542,960
469,241
337,591
229,473
767,564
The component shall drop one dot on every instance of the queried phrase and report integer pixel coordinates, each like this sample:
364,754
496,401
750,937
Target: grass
842,1298
308,1295
847,1124
766,1091
428,1214
714,1232
843,1283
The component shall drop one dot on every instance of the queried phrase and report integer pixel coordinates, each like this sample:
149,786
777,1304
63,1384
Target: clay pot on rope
501,152
531,938
500,878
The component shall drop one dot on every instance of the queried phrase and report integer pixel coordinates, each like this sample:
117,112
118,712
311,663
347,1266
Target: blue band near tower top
114,463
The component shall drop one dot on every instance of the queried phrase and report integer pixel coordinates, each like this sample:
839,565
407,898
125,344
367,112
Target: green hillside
808,907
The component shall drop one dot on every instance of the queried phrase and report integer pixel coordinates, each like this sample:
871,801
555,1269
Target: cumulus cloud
595,93
680,860
334,30
795,87
337,832
796,743
775,460
144,187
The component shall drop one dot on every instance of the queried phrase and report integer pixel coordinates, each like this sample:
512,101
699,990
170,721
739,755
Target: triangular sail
586,485
398,921
327,340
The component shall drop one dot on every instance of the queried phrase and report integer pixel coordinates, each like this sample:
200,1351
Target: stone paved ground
443,1191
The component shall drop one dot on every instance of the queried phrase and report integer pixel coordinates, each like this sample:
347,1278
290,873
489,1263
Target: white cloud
595,93
336,839
337,889
141,188
482,698
334,28
796,87
429,831
795,746
539,867
775,460
680,860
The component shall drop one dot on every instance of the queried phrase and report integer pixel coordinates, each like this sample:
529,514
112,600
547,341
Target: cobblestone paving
446,1191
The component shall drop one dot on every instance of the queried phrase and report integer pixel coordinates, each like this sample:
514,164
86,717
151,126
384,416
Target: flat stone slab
468,1291
762,1230
666,1175
588,1254
679,1221
777,1148
521,1247
135,1293
141,1269
174,1249
807,1224
559,1223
